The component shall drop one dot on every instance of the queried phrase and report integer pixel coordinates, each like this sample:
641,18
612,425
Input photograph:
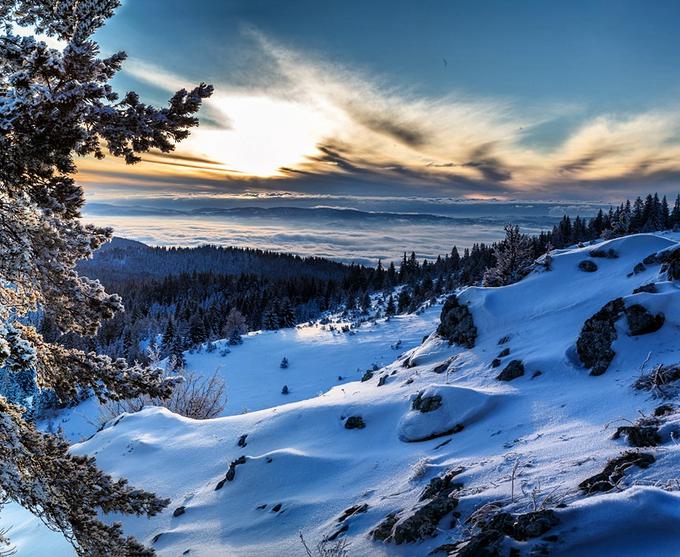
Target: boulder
641,321
594,344
512,371
355,422
456,324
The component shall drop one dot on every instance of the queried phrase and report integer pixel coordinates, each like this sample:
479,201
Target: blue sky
536,100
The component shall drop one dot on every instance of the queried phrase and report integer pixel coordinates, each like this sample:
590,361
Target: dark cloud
390,125
491,167
586,161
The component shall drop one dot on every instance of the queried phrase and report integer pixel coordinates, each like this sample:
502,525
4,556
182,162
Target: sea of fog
383,230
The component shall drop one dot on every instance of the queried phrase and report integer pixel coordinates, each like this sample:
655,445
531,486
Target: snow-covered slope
518,446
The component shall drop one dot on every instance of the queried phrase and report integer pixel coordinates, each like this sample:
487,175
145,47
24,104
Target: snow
459,407
525,441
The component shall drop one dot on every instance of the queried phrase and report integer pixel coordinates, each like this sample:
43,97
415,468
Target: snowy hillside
441,444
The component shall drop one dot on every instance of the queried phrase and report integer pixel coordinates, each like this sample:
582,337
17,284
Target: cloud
315,125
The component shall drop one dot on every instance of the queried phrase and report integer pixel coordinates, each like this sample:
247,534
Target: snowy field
523,443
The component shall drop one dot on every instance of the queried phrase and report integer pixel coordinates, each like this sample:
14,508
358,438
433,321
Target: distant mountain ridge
123,258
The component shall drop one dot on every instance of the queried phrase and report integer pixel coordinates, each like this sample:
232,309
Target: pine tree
56,104
390,309
675,214
513,259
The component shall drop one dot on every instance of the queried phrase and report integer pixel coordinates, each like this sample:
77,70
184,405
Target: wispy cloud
314,123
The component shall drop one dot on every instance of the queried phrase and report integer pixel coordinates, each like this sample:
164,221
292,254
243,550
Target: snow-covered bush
198,397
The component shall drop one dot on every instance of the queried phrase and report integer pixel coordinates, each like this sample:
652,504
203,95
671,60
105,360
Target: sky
502,100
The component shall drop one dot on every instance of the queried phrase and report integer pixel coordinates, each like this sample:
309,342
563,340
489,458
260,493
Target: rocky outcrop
641,321
456,324
649,288
670,260
435,502
594,344
512,371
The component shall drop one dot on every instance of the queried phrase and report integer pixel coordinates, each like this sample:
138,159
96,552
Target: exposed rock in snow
587,266
594,344
441,410
457,325
513,370
642,322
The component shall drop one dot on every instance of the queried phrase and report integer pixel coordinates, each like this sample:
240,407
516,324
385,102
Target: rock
179,511
671,260
384,530
650,288
665,410
536,374
366,376
284,390
512,371
424,521
639,268
642,322
276,508
639,436
496,362
456,324
334,536
587,266
614,471
525,526
242,440
441,368
355,422
503,353
448,409
382,380
436,501
231,473
442,484
651,259
488,541
504,340
156,537
427,403
356,509
596,337
607,254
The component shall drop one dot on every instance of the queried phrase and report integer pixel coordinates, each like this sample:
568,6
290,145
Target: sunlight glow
266,135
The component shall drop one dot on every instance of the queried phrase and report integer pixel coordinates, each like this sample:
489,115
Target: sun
266,135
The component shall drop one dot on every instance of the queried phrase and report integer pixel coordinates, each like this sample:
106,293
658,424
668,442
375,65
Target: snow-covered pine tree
56,104
513,259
